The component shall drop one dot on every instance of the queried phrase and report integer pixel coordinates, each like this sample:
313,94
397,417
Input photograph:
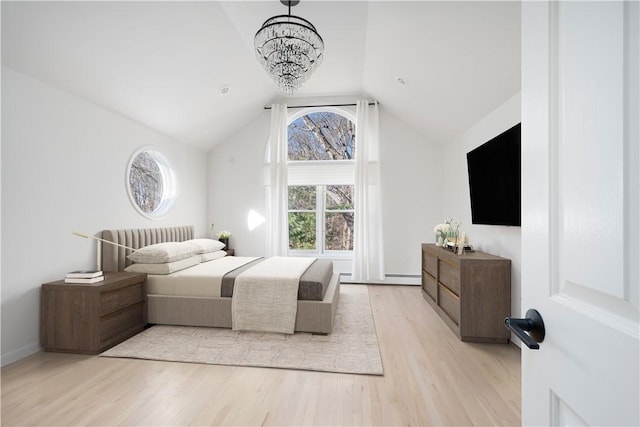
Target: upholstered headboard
114,258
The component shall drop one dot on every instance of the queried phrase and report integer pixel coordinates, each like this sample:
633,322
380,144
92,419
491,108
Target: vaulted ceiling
163,64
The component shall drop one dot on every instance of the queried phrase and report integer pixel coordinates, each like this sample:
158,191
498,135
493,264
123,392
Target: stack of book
84,276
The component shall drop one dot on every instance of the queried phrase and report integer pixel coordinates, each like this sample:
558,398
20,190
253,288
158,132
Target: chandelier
289,48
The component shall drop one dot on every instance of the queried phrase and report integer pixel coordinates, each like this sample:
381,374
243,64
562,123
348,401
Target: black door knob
532,324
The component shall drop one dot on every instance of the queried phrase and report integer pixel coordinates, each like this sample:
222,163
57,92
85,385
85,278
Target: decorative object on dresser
446,232
471,292
90,318
450,236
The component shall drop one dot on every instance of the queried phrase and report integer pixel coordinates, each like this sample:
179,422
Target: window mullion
320,196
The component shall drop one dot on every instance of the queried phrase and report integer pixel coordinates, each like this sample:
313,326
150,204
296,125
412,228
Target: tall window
321,148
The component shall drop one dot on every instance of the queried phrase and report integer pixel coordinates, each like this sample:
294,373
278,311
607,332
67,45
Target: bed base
312,316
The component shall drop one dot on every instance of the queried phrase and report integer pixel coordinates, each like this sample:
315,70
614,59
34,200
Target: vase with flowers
446,232
223,236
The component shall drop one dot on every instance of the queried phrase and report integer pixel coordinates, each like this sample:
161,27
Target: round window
151,183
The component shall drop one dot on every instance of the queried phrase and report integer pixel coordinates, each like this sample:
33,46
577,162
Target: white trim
21,353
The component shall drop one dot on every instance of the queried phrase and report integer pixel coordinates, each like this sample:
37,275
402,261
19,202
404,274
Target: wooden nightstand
90,318
230,252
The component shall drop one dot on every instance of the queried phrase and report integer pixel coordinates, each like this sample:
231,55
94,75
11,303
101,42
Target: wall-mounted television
494,180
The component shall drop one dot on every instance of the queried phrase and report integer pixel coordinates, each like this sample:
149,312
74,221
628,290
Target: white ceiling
163,63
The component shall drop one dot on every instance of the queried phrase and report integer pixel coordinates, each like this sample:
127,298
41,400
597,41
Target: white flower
442,228
448,226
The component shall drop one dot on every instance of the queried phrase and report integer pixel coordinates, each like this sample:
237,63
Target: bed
177,299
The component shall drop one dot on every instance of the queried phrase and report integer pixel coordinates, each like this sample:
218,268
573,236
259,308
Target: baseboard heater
389,279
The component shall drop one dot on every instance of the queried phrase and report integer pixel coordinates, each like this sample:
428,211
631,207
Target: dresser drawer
120,298
429,263
450,303
449,276
118,323
429,285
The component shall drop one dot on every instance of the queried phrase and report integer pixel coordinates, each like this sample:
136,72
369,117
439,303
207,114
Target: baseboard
21,353
389,279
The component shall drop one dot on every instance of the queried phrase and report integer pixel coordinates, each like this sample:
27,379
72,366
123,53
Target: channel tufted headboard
114,258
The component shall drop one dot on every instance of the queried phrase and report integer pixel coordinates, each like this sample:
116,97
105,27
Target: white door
581,195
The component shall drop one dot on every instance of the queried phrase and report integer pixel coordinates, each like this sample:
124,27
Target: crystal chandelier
289,48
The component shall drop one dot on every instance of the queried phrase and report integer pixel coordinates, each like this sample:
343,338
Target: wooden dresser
90,318
471,292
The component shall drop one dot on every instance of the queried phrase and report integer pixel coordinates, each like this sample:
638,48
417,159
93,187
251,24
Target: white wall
63,169
236,185
411,189
498,240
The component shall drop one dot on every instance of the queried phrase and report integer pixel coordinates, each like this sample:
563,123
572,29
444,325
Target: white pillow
164,268
210,256
205,245
163,252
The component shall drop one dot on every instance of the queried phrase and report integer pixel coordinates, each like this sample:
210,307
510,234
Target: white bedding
202,280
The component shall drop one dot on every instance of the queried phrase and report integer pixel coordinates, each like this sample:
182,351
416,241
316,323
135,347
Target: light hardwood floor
431,378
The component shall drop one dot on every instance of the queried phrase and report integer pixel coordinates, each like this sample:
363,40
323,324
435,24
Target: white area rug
351,348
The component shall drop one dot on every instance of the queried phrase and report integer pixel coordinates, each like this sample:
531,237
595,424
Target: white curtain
277,239
368,248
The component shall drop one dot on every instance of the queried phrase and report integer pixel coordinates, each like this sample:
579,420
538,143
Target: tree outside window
302,217
146,182
321,136
151,183
338,217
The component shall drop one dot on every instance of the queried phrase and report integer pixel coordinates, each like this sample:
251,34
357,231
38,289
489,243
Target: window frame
344,168
169,183
320,213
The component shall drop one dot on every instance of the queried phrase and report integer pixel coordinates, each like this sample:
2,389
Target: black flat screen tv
494,180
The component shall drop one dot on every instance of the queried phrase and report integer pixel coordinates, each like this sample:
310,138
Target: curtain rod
268,107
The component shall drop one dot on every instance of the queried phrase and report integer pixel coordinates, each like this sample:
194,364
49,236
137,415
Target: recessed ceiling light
402,80
224,89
